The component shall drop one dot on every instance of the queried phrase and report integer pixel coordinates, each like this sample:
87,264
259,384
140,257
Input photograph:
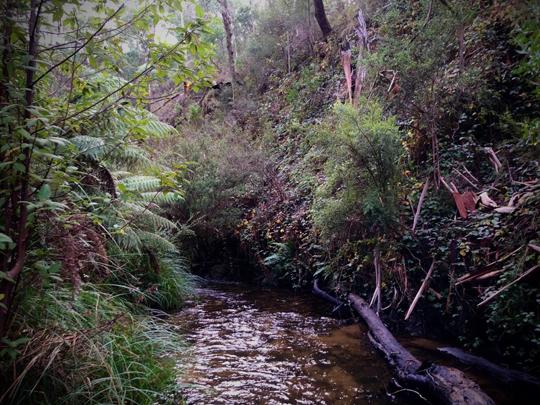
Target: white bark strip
420,290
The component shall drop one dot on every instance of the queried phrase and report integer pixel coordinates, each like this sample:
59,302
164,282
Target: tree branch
76,51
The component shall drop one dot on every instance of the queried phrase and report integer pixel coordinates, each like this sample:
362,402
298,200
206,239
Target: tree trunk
320,15
444,384
20,198
227,25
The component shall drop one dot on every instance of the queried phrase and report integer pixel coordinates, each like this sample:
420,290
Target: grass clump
92,348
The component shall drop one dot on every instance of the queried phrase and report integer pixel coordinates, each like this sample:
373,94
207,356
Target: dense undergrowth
448,96
122,169
89,254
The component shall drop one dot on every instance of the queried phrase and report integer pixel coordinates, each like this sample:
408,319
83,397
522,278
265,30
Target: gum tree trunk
227,25
320,15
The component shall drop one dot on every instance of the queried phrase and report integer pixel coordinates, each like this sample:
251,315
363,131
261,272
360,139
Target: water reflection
271,347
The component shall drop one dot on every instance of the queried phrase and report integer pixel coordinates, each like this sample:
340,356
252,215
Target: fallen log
443,384
324,295
517,379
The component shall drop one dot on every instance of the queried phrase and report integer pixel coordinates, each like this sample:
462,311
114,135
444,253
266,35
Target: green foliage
362,171
527,38
82,200
515,336
91,348
224,169
278,28
281,261
459,78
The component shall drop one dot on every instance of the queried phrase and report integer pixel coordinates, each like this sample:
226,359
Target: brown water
253,346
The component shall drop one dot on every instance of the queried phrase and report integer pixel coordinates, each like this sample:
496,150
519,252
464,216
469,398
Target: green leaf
199,11
4,238
44,193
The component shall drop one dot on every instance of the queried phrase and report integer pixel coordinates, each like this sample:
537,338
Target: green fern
141,183
145,217
156,128
156,242
130,156
159,197
90,146
128,239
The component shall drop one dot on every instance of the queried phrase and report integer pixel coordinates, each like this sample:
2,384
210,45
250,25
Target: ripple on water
266,347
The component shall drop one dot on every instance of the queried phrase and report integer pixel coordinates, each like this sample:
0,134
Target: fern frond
160,197
141,183
120,174
129,239
90,146
145,217
156,242
177,263
156,128
130,156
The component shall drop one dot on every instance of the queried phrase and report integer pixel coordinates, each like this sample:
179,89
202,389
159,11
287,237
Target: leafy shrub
362,171
225,173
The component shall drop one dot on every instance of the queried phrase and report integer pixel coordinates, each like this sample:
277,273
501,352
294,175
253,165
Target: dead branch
421,290
323,294
514,378
363,45
469,173
493,159
465,178
420,202
377,293
346,63
507,286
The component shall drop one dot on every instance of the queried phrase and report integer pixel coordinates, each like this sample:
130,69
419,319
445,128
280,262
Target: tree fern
128,239
144,217
156,128
129,156
90,146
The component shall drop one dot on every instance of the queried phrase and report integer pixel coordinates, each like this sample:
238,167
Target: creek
266,346
250,345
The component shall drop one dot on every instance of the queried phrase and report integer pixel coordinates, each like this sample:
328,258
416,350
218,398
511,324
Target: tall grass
93,348
174,284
